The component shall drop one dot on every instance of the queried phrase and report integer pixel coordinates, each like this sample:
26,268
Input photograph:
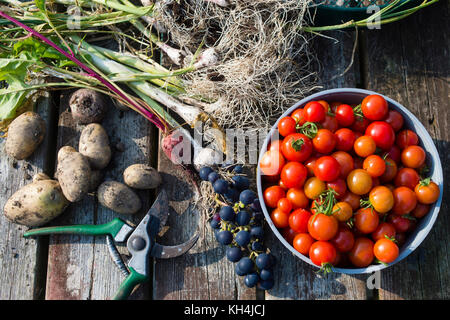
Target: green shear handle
127,286
111,228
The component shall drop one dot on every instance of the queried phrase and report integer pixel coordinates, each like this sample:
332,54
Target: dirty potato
118,197
73,173
141,176
25,134
94,145
87,106
36,203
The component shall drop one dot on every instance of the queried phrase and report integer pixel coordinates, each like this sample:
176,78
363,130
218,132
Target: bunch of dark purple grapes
239,226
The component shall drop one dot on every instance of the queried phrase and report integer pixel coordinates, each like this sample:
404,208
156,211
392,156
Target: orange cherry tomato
359,181
374,165
342,211
302,243
313,187
381,199
364,146
427,192
413,157
297,198
284,205
385,250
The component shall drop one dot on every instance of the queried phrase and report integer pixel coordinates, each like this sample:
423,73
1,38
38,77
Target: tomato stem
425,182
357,111
297,144
309,129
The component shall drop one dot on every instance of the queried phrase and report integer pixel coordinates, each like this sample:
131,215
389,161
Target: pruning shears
141,242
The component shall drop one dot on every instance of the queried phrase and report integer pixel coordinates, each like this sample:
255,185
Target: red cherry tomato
322,227
299,116
272,195
385,250
324,141
360,124
327,168
310,163
329,123
382,133
271,163
352,199
406,138
294,174
390,172
384,229
296,147
395,119
345,161
345,115
374,107
339,186
286,126
314,112
407,177
279,218
361,254
302,242
420,211
405,200
322,252
400,223
394,153
298,220
344,240
366,220
345,139
288,234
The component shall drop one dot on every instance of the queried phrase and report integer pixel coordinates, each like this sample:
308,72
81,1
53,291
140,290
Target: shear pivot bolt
138,243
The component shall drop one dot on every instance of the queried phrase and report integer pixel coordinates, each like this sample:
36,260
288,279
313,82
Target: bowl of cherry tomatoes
351,181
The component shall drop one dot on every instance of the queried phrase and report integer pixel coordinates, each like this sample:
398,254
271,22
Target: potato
25,134
87,106
118,197
73,173
141,176
94,145
36,203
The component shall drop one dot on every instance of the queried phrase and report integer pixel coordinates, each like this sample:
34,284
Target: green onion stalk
387,14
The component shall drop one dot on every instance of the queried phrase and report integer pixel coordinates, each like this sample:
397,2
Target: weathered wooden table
408,61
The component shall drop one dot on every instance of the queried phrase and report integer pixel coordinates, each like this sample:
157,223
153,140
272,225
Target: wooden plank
79,267
296,279
409,62
21,259
203,273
